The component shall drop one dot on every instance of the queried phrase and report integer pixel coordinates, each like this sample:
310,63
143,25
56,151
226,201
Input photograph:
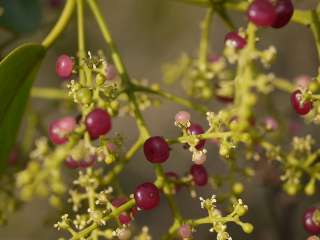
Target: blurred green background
150,33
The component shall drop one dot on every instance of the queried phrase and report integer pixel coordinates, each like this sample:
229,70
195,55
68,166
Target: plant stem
171,97
203,48
49,93
61,24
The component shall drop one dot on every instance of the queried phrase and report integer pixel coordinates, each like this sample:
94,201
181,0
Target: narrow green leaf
17,73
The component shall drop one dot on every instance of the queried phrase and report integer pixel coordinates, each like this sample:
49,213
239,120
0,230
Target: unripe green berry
84,95
247,227
238,188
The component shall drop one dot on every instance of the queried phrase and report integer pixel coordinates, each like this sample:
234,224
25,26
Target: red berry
147,196
60,129
71,163
185,231
233,39
172,176
64,66
300,106
98,123
196,129
89,161
309,222
124,218
199,174
284,11
156,149
262,13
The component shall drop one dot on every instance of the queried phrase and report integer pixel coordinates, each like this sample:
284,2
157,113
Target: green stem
115,213
60,25
179,100
315,27
203,48
117,169
49,93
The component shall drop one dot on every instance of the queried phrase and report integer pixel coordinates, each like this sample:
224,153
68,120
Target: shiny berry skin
199,174
156,149
310,225
98,123
185,231
196,129
124,218
64,66
60,129
89,161
71,163
172,176
182,117
262,13
233,39
301,107
147,196
284,11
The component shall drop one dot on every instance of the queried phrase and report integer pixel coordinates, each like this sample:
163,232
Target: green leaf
17,73
20,16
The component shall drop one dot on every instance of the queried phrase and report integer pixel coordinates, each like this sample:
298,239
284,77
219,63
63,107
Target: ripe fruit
284,11
60,129
182,117
262,13
71,163
156,149
64,66
147,196
185,231
199,174
98,123
300,106
311,225
89,161
124,217
233,39
196,129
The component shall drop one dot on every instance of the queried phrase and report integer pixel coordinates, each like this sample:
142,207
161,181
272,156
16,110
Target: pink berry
98,123
71,163
284,11
233,39
199,174
156,149
147,196
213,58
172,176
185,231
64,66
111,72
182,117
60,129
196,129
303,81
270,124
200,159
300,106
309,221
124,218
262,13
89,161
